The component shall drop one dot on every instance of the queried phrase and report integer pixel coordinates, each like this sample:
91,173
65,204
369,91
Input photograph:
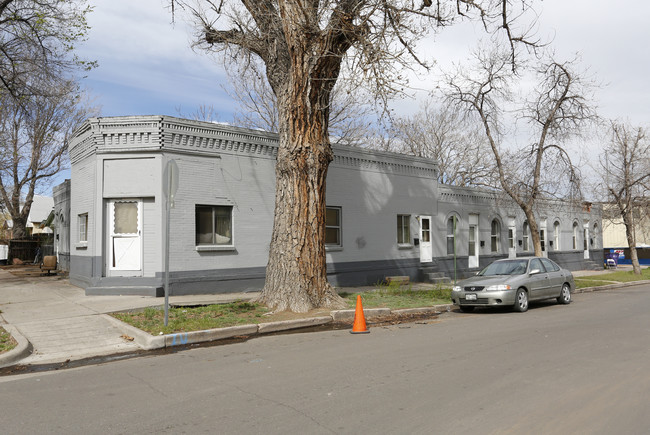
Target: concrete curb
285,325
147,341
609,287
368,313
22,350
143,339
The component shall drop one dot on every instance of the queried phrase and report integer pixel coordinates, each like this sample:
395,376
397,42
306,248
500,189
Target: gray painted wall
125,158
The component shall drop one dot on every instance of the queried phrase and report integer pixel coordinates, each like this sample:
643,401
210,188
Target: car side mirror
534,272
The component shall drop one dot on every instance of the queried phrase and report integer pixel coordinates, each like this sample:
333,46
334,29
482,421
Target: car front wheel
565,295
521,301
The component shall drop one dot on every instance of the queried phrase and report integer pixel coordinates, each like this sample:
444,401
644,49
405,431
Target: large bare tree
442,133
34,135
37,39
558,109
349,118
625,165
304,45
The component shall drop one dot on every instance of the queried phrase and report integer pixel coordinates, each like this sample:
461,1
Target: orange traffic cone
359,326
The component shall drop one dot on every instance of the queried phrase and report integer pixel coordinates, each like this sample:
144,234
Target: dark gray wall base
359,273
364,273
125,291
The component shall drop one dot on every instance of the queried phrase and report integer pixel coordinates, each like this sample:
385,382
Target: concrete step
439,280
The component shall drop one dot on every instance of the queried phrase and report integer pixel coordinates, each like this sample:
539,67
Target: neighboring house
61,224
40,210
5,234
386,213
615,237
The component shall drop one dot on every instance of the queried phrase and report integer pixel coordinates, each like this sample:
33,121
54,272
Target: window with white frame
526,236
556,235
511,238
83,227
452,223
213,225
333,226
575,235
403,229
495,236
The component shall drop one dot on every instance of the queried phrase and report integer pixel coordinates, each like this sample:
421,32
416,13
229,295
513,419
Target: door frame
426,247
473,258
110,237
512,226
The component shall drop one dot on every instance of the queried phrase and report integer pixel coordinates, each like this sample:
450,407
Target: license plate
470,297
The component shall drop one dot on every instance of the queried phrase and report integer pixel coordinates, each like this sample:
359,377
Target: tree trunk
19,229
534,230
296,275
631,242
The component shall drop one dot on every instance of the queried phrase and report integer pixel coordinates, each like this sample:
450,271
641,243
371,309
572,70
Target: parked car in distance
514,282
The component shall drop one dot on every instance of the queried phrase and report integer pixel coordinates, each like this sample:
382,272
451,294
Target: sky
146,64
147,67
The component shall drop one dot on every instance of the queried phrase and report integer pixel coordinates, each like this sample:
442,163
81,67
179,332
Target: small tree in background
559,108
34,135
37,39
625,165
453,141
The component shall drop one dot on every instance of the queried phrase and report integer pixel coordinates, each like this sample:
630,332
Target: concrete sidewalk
61,323
55,322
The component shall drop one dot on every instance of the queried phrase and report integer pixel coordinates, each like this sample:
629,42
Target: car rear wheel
466,309
565,295
521,301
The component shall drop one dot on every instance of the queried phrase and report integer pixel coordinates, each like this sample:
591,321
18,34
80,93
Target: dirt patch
29,271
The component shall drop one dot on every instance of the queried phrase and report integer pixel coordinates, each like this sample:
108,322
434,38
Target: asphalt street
580,368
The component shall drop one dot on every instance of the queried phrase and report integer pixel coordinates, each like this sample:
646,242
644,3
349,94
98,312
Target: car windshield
508,267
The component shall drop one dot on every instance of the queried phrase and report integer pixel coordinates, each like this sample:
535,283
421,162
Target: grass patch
186,319
395,296
627,276
7,342
612,277
591,282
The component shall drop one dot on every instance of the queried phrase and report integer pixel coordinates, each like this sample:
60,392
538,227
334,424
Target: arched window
575,235
495,236
452,224
526,236
556,235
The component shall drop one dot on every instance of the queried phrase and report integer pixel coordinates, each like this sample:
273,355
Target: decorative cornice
160,133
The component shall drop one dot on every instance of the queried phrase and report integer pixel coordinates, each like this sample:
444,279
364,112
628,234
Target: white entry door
426,250
512,238
473,241
585,240
124,237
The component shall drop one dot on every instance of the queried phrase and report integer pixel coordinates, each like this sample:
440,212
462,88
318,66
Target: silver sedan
514,282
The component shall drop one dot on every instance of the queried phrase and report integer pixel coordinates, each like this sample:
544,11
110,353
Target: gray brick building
386,213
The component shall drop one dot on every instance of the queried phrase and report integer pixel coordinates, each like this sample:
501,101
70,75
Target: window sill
404,246
212,248
81,246
333,248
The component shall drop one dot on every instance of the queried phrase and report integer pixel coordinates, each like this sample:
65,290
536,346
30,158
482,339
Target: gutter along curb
149,342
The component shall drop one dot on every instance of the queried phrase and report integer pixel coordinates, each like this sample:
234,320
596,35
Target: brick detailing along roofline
131,134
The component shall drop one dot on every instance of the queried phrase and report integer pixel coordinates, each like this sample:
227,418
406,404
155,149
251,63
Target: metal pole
167,226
